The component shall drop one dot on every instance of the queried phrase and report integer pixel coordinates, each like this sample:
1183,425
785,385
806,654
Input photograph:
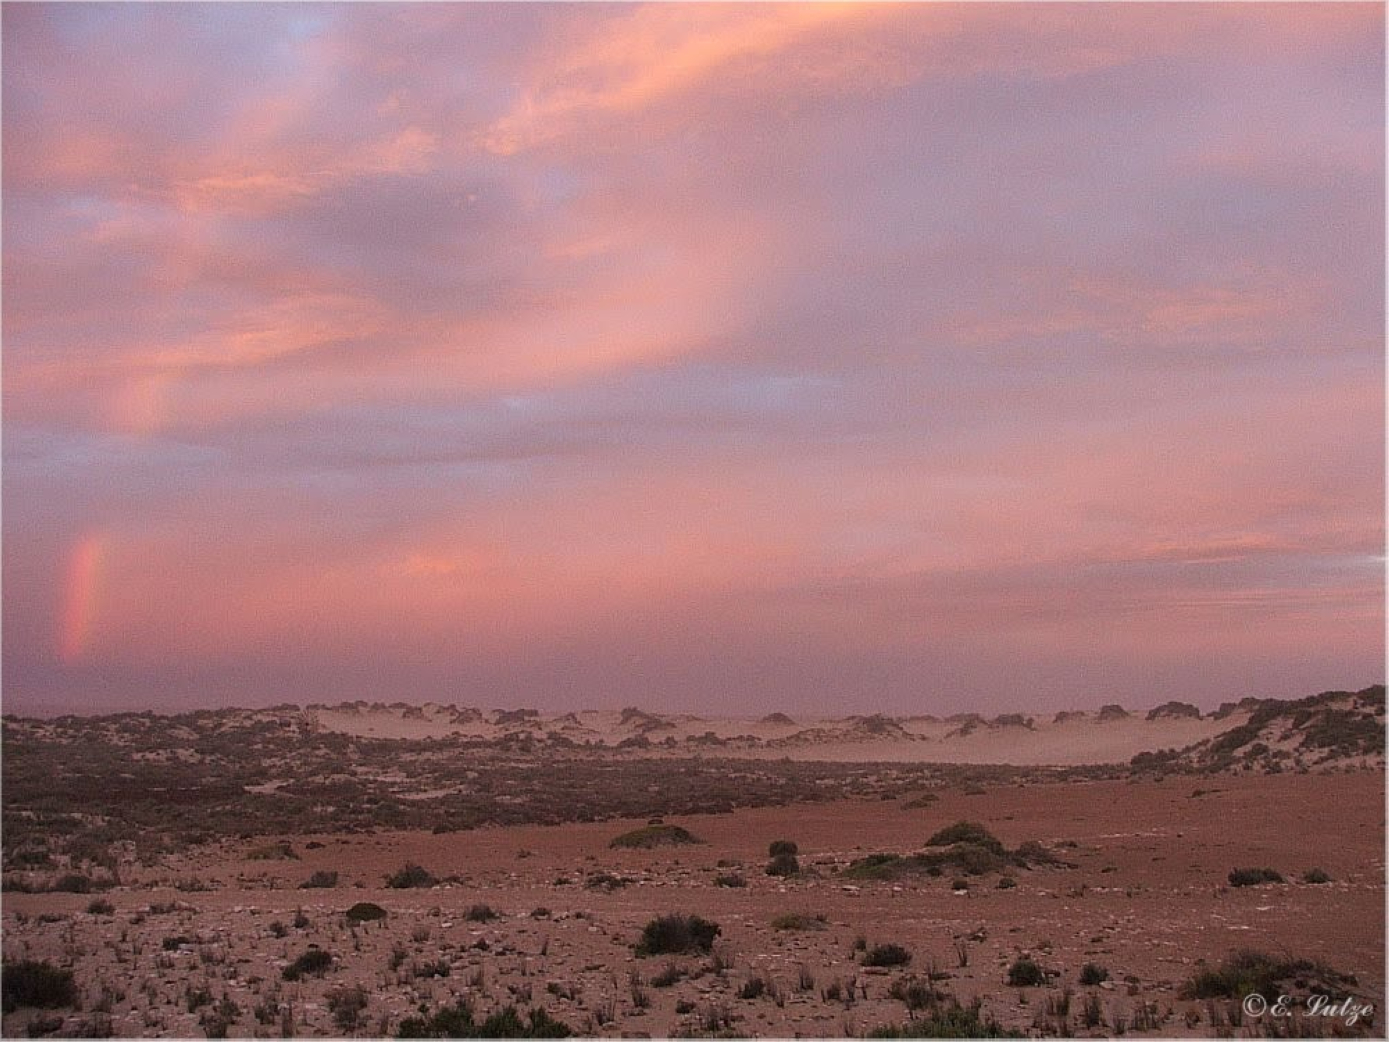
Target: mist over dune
1322,730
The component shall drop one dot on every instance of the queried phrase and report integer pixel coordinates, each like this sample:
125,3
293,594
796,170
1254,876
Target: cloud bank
817,357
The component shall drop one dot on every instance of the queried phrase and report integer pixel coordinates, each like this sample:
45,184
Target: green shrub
481,914
1006,882
320,880
970,858
649,836
1030,852
965,832
1024,973
217,1021
874,866
314,962
1253,876
1315,875
1347,732
965,847
365,912
197,998
672,974
887,955
1246,971
457,1021
782,846
346,1005
101,906
798,921
31,857
676,934
783,865
72,883
1093,973
281,851
41,985
947,1019
916,993
411,876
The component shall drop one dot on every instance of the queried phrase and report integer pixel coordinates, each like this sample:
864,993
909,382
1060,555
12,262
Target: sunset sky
819,358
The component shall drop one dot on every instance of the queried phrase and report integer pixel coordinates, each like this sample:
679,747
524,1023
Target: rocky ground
197,940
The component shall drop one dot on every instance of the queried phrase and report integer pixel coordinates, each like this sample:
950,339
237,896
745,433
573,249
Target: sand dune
1078,738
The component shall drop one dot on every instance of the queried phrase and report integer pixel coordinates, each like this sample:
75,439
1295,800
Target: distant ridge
1325,731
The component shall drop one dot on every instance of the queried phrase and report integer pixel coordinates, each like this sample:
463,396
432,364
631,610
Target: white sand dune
1080,738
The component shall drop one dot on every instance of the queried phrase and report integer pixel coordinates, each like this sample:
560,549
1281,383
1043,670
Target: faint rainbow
81,592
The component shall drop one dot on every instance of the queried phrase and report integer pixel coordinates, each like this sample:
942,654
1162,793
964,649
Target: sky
723,359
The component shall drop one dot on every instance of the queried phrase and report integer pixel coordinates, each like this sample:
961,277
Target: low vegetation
411,876
76,784
606,881
365,912
887,955
917,994
347,1006
1253,876
499,966
1025,973
672,974
1093,973
650,836
457,1021
280,851
784,865
926,799
965,832
40,985
799,921
1247,970
947,1018
677,935
75,883
1333,725
966,848
783,861
313,963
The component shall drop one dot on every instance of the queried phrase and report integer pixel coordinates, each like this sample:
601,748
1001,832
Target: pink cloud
749,348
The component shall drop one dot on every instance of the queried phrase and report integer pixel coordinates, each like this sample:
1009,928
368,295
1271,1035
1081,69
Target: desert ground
1115,882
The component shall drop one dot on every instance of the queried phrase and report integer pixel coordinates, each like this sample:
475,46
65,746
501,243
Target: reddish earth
1147,900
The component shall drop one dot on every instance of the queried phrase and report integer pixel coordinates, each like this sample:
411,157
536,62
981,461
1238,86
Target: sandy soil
1147,900
1081,738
